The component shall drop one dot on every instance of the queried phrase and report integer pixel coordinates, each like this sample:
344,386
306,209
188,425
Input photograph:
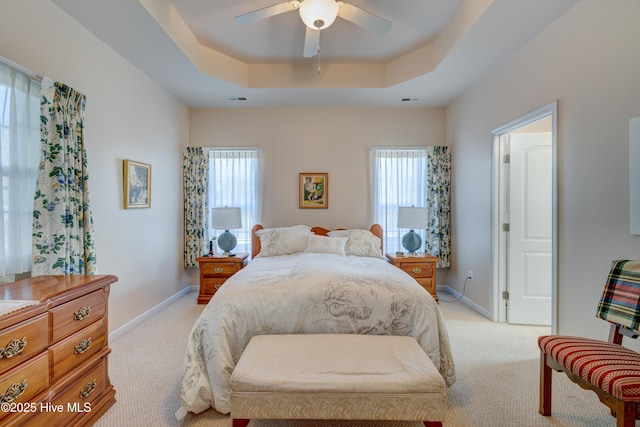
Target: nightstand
421,267
215,270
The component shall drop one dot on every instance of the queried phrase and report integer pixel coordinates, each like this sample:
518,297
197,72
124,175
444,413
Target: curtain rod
20,69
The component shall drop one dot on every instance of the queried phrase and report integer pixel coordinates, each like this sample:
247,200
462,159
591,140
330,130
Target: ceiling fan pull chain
318,55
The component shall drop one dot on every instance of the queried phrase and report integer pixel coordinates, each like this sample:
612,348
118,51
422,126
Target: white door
529,266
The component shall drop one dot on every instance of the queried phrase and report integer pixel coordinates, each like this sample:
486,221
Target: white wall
588,60
333,140
127,117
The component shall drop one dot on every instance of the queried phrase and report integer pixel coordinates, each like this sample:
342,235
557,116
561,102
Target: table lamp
226,219
412,218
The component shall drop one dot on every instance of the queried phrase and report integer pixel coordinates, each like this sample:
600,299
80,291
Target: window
399,178
19,158
235,181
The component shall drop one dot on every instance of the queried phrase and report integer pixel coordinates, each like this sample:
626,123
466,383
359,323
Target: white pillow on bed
360,242
283,241
326,245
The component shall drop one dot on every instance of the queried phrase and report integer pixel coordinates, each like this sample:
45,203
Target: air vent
410,99
239,98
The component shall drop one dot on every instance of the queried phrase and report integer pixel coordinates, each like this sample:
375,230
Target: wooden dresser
421,267
53,355
215,270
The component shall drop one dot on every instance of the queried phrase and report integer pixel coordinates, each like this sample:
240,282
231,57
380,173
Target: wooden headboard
376,230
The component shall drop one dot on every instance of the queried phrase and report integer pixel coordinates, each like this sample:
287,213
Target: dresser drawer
75,315
218,269
77,348
25,381
418,269
21,342
78,397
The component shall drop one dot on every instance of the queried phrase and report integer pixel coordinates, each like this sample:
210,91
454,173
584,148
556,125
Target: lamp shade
226,218
318,14
413,218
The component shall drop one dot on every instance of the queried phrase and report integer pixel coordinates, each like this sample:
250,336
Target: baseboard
481,310
153,310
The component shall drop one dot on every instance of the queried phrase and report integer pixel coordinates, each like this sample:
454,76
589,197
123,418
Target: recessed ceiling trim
205,59
304,75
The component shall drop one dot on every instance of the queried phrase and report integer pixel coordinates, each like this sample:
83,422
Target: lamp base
226,242
412,242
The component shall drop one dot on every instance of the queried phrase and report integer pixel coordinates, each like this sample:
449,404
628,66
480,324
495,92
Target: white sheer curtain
19,158
399,178
235,177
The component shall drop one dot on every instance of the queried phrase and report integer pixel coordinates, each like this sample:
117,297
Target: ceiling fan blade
311,42
363,18
267,12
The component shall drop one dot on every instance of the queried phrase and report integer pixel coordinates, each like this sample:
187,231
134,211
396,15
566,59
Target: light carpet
496,365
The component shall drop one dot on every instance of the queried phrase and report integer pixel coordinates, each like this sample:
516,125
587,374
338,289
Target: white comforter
305,293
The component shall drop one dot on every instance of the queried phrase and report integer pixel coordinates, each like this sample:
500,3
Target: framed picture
137,184
314,190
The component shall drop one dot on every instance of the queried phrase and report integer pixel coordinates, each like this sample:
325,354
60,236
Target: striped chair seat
604,367
610,367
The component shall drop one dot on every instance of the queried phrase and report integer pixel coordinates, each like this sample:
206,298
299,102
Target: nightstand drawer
214,271
418,269
211,285
218,269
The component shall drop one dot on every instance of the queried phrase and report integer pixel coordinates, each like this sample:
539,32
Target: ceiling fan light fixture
318,14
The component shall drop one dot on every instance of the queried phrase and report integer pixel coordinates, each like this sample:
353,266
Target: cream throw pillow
360,242
326,245
283,241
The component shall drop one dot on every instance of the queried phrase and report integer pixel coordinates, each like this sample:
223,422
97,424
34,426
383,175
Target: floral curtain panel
438,242
196,175
63,236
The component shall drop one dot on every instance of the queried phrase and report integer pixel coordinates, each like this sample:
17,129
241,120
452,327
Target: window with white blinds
235,177
19,159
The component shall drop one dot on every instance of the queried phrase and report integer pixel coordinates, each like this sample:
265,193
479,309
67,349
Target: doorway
524,219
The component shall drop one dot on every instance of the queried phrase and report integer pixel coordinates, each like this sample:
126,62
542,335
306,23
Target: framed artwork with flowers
137,184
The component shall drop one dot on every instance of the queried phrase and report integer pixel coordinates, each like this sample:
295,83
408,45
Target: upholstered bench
336,376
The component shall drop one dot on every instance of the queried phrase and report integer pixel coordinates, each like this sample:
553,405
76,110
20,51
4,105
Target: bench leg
432,423
625,414
545,385
240,422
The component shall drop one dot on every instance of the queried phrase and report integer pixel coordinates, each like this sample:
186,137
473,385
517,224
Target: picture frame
137,184
314,190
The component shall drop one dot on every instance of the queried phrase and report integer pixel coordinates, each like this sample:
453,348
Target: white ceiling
434,51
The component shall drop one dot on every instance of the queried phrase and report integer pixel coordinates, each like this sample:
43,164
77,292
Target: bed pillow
326,245
283,241
360,242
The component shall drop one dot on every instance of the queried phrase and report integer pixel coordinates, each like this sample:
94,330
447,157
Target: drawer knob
417,270
218,286
14,348
83,346
14,392
88,389
83,313
219,270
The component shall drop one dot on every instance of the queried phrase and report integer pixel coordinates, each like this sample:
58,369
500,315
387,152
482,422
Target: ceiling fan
318,15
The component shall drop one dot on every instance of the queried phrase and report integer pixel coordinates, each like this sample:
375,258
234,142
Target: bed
307,280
